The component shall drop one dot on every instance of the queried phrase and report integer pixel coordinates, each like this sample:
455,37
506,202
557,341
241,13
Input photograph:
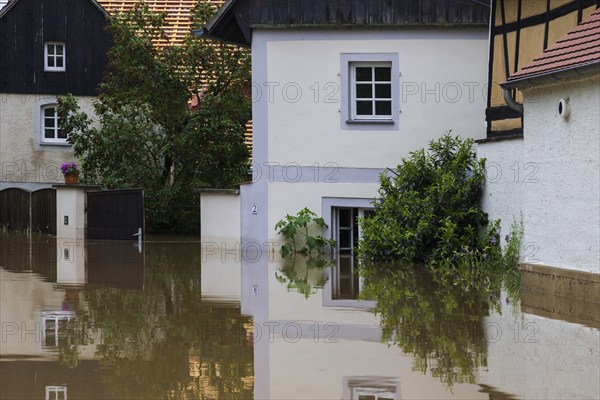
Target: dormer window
54,57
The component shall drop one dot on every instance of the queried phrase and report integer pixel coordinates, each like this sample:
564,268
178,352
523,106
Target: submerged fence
28,211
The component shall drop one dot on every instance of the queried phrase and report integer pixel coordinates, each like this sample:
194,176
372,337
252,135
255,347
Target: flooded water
178,319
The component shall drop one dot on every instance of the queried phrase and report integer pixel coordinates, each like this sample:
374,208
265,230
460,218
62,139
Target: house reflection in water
345,281
104,320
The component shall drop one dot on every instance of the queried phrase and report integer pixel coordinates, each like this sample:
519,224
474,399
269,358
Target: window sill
51,144
370,122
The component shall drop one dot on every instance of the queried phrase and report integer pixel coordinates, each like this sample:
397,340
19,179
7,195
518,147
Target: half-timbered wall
522,30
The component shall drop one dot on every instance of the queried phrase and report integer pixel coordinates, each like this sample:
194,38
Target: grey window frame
349,121
354,116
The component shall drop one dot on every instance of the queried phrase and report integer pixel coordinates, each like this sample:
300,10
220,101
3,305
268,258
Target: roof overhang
11,3
225,27
552,76
233,25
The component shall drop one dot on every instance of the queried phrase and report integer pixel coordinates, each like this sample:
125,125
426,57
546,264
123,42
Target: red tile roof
579,47
177,19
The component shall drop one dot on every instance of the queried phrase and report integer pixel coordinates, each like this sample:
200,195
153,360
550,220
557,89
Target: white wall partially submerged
220,217
563,210
552,176
303,148
504,191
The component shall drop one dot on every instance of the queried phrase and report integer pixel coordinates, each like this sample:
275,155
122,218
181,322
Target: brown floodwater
180,319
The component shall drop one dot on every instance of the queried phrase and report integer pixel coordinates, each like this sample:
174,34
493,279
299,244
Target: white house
342,91
551,175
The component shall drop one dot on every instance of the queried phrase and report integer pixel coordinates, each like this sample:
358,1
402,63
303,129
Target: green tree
147,135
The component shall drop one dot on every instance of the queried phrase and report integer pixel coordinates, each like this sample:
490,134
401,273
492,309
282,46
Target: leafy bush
293,226
429,210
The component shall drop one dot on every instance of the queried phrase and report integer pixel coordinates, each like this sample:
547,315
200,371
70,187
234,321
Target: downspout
511,102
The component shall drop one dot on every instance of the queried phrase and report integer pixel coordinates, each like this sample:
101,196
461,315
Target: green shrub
429,210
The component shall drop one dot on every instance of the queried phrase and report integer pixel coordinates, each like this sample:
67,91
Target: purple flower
506,238
69,168
493,240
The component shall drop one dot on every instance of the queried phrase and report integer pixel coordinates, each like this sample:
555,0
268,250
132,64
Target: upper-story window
54,56
371,91
51,132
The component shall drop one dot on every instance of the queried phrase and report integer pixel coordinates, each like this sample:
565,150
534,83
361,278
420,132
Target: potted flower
71,173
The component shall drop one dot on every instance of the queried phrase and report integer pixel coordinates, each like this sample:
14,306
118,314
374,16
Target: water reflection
302,274
441,325
345,278
178,322
109,322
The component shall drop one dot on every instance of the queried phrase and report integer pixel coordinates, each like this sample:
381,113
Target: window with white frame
51,132
55,328
54,57
371,91
56,393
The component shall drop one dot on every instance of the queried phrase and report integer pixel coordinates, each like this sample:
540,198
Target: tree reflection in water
303,274
164,341
436,318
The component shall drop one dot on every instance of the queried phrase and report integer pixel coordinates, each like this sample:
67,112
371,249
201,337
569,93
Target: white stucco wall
220,218
22,157
552,176
563,209
505,184
70,203
439,91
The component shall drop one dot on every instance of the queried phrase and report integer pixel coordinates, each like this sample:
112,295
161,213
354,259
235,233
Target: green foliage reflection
303,274
437,318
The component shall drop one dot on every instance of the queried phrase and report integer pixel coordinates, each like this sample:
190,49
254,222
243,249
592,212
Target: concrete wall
552,176
22,157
